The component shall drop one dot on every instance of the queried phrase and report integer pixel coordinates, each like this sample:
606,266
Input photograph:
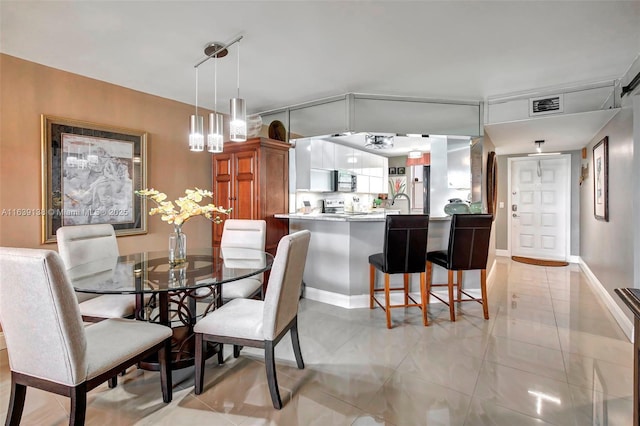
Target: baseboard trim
336,299
617,312
503,253
362,300
573,259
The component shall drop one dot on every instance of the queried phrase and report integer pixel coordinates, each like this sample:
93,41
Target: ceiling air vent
545,105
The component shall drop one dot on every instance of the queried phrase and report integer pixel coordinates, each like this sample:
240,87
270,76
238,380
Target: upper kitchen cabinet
459,163
322,154
344,157
252,178
314,165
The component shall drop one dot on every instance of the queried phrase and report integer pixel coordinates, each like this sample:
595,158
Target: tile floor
550,354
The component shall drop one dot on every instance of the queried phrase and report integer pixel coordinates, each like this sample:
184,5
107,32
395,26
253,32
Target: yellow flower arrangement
189,206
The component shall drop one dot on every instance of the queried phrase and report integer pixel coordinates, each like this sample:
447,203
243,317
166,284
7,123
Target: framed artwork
392,171
601,179
397,185
400,170
89,175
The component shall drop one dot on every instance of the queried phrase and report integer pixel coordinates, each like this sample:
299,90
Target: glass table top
150,272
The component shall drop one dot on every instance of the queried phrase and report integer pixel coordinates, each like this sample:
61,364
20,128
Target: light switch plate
501,204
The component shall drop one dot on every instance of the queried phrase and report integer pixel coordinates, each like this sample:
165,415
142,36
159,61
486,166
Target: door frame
567,204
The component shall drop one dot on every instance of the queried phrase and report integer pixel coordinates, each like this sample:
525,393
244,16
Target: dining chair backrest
40,316
469,241
405,243
285,279
85,243
244,233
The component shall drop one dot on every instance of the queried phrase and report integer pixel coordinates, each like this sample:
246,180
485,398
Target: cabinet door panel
244,203
222,188
343,156
316,153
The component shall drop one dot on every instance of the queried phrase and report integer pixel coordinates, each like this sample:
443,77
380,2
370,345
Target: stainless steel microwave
345,181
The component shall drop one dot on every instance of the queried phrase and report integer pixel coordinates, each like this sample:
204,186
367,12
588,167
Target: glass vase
177,246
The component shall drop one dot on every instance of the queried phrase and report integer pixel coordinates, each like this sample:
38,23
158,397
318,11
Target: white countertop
345,217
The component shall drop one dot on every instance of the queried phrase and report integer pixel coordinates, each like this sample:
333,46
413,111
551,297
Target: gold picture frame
89,174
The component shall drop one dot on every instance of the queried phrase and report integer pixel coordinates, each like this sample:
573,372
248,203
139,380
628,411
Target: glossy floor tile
550,354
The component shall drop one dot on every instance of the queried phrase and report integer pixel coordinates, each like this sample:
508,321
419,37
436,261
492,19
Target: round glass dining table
173,295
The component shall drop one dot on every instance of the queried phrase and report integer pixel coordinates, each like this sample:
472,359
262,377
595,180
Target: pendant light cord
215,86
238,70
196,92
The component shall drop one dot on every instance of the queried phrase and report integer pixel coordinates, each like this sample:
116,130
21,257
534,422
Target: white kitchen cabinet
343,157
363,184
322,154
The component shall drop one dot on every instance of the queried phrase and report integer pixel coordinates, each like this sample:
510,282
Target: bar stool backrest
469,241
405,243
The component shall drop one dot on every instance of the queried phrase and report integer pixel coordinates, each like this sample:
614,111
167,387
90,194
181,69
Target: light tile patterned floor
535,362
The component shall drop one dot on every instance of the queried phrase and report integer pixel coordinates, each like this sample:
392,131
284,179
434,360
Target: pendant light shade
196,135
238,123
196,132
215,142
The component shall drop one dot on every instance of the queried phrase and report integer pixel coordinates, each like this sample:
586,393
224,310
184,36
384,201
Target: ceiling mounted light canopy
378,141
238,123
539,150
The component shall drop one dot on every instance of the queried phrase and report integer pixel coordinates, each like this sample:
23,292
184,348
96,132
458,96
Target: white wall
607,248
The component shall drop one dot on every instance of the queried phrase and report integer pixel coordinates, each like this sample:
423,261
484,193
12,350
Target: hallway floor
550,354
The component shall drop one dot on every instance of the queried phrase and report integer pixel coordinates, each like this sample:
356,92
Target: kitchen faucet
393,200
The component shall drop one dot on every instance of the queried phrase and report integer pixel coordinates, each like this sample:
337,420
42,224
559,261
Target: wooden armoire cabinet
252,178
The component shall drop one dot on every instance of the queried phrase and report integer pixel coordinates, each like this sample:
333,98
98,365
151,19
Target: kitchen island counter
346,217
337,267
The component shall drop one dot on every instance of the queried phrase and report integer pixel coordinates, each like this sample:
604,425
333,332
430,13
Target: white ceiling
298,51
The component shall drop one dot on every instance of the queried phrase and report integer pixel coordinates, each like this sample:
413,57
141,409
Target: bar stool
404,252
468,250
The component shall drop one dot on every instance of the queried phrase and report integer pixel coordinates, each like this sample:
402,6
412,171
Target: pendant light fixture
238,111
238,123
196,135
215,141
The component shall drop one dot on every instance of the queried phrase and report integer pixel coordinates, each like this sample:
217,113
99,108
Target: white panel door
539,207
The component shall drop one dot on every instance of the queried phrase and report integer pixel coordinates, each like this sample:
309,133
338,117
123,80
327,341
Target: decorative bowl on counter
456,206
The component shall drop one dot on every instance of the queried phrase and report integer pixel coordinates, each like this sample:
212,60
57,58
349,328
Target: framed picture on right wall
601,179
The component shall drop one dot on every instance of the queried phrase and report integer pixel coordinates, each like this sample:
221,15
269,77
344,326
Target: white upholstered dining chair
261,323
246,234
81,244
48,345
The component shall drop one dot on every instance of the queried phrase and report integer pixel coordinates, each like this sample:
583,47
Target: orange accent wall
28,90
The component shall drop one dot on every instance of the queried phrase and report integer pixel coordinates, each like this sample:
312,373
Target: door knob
515,215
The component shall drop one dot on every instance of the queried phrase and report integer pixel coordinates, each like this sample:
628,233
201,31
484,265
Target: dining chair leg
78,405
387,296
459,286
372,284
236,351
166,380
452,306
272,380
296,344
199,364
483,287
220,353
429,273
406,289
113,382
16,403
423,298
